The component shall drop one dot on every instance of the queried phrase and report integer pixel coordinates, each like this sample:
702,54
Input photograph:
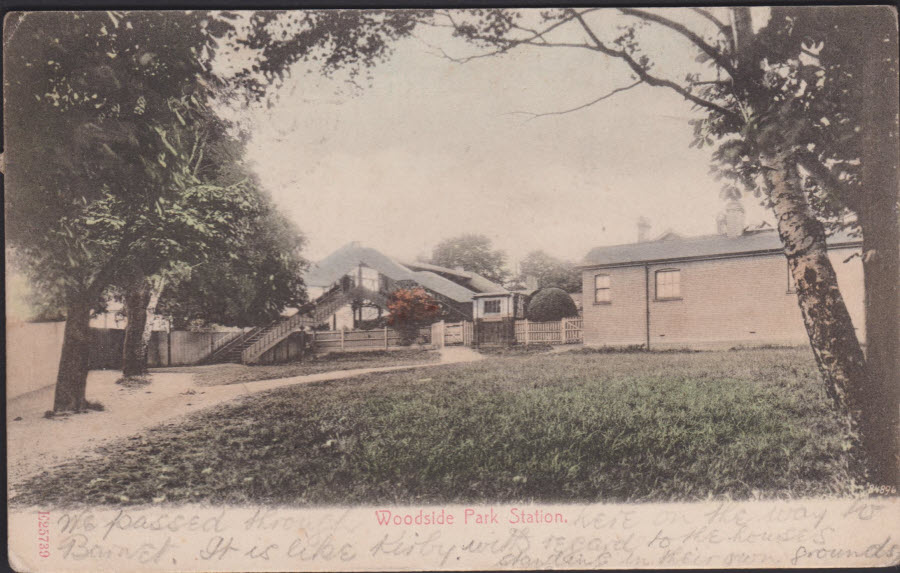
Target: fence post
527,338
385,338
562,330
342,340
443,333
312,347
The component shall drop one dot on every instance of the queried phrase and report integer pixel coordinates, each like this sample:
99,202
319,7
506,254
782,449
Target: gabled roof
330,269
709,246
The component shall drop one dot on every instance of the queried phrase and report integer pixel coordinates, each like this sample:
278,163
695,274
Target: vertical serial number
43,531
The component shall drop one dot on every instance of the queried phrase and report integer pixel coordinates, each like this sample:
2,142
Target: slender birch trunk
831,334
134,351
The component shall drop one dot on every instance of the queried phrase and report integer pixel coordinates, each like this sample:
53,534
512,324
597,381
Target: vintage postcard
452,289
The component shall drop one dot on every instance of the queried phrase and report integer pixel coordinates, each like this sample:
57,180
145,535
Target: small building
732,288
375,275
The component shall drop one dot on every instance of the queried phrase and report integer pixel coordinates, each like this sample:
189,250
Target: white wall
33,350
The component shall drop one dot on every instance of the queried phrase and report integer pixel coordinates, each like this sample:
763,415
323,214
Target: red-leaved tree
410,309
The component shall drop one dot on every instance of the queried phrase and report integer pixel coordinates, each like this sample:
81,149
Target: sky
433,148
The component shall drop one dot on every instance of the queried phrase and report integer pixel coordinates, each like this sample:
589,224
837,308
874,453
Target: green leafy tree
550,304
473,253
549,271
94,100
802,112
248,284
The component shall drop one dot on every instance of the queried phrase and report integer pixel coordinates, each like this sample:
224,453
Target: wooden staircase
309,315
234,348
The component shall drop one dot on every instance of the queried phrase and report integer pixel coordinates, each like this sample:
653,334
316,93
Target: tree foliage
473,253
411,309
549,271
248,284
122,101
550,304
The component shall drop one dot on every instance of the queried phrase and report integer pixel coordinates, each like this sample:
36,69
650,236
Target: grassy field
219,374
578,426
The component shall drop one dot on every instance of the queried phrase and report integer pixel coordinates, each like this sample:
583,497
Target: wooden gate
452,333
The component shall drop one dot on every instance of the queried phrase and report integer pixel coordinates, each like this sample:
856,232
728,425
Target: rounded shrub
550,304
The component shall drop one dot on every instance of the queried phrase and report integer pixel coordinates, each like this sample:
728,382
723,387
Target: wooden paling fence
565,331
350,340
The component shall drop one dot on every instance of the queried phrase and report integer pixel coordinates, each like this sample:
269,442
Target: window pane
601,288
668,284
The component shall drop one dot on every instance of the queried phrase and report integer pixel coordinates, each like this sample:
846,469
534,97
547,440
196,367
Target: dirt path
36,444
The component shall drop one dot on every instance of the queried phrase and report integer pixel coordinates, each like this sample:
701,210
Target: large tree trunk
134,351
831,334
878,219
71,379
881,399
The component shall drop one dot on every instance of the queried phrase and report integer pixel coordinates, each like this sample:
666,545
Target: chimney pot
643,226
734,219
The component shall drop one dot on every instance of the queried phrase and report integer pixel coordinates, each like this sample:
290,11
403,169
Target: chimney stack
531,282
643,226
734,219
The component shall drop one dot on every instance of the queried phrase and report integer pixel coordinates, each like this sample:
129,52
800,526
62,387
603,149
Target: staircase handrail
321,306
230,343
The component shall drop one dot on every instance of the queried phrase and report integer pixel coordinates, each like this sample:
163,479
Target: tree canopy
549,271
550,304
128,103
473,253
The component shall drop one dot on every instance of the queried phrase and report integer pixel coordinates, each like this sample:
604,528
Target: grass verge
221,374
545,427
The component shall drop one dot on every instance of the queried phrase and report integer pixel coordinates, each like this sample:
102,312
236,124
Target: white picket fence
565,331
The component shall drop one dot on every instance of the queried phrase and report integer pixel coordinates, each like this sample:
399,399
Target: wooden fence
350,340
565,331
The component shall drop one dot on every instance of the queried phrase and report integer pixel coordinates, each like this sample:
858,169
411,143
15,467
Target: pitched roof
678,248
469,279
330,269
446,287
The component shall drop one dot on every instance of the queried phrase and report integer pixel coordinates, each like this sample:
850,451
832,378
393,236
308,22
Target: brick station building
728,289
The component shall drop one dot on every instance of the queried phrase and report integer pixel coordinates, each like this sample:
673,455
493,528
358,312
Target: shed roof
672,247
446,287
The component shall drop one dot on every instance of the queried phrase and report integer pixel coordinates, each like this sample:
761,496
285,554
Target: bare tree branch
582,106
718,57
723,27
638,69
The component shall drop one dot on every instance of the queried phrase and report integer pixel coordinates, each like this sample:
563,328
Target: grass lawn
578,426
219,374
